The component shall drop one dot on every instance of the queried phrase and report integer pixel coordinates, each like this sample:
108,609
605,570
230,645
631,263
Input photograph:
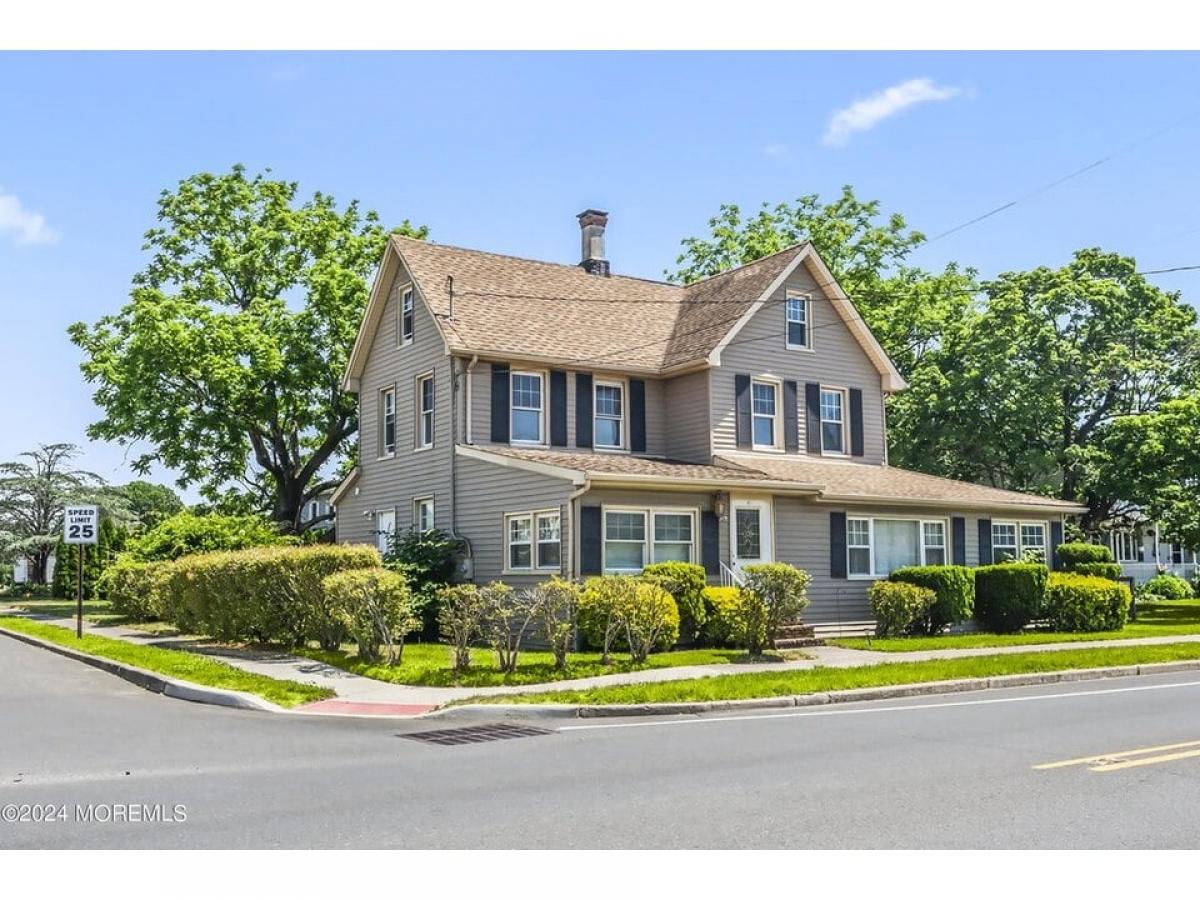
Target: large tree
228,357
150,503
33,491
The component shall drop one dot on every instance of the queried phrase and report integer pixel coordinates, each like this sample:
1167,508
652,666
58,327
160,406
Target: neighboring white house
1143,553
316,508
21,570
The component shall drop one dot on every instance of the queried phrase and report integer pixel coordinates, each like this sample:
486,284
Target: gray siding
486,493
396,481
836,359
686,396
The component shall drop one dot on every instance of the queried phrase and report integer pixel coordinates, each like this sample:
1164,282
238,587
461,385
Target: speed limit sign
81,524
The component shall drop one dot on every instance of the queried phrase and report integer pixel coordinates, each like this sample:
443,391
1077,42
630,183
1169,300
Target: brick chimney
591,231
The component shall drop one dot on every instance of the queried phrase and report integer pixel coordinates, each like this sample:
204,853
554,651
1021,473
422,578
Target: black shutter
591,550
812,421
637,415
856,423
837,545
558,408
583,409
741,394
1055,540
985,542
791,417
500,397
958,540
710,542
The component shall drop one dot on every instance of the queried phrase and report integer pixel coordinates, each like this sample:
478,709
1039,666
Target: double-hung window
609,415
876,547
673,540
633,538
624,540
423,514
387,421
764,408
1019,540
833,421
1033,540
1004,541
407,306
527,408
425,411
797,308
533,541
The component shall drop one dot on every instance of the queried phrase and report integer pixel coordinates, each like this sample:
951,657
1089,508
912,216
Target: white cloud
26,226
865,114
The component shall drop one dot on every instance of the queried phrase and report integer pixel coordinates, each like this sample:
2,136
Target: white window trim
921,521
416,515
542,416
835,389
1135,544
808,329
533,567
778,420
1021,546
381,449
648,541
623,387
417,400
409,290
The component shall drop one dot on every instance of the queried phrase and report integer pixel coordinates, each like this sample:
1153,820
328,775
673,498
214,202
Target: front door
750,537
385,527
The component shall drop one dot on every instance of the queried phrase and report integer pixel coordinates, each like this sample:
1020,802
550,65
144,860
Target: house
564,420
1143,552
319,512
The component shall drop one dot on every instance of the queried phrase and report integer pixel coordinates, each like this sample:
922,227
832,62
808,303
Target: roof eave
884,499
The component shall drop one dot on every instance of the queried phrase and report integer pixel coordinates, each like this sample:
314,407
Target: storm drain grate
475,734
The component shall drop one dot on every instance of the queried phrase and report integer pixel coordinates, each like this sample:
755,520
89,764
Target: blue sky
500,151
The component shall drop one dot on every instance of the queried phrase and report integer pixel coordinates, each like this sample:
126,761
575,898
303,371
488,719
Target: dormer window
609,415
527,408
797,307
764,396
406,316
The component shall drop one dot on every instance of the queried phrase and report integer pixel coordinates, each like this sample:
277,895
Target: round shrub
772,595
1008,596
1169,587
375,608
1109,570
685,582
954,590
899,607
720,616
1077,602
612,608
1077,553
136,590
650,619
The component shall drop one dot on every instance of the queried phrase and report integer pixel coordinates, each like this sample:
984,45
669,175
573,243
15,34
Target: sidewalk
357,695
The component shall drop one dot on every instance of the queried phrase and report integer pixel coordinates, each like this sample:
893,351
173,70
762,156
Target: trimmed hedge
269,594
899,607
685,582
1077,602
720,617
1076,553
1169,587
1109,570
186,533
954,590
1008,596
135,589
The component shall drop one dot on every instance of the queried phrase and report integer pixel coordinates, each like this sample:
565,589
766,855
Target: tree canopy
150,503
228,357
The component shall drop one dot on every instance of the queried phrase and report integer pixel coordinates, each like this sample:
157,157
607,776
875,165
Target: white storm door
385,527
750,537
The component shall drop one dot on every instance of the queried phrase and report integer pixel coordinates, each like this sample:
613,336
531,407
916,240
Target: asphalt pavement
88,760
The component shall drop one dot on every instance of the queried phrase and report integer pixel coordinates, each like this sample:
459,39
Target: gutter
877,500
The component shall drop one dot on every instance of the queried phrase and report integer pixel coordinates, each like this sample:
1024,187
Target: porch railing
730,578
1141,572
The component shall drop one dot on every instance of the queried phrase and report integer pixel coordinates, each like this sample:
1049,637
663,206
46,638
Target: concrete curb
855,695
153,681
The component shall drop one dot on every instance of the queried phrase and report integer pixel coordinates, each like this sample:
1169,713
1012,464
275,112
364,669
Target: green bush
555,602
772,595
187,533
1109,570
954,592
271,594
460,615
1078,553
136,590
1008,596
900,607
649,619
1077,602
1169,587
615,609
374,607
720,617
427,559
685,582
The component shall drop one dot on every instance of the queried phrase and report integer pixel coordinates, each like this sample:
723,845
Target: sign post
81,526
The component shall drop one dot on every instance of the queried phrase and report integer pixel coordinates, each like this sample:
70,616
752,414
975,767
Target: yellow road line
1117,755
1144,761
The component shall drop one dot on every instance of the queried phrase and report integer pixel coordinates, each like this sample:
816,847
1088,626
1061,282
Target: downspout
467,567
573,512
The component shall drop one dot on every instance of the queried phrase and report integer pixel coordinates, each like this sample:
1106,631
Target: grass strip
173,663
808,681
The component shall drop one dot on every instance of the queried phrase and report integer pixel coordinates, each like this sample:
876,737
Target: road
951,771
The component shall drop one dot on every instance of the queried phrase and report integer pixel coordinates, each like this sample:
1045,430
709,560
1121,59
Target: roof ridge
743,266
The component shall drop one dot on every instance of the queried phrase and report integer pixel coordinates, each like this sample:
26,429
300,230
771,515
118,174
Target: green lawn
174,663
429,664
808,681
1154,620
